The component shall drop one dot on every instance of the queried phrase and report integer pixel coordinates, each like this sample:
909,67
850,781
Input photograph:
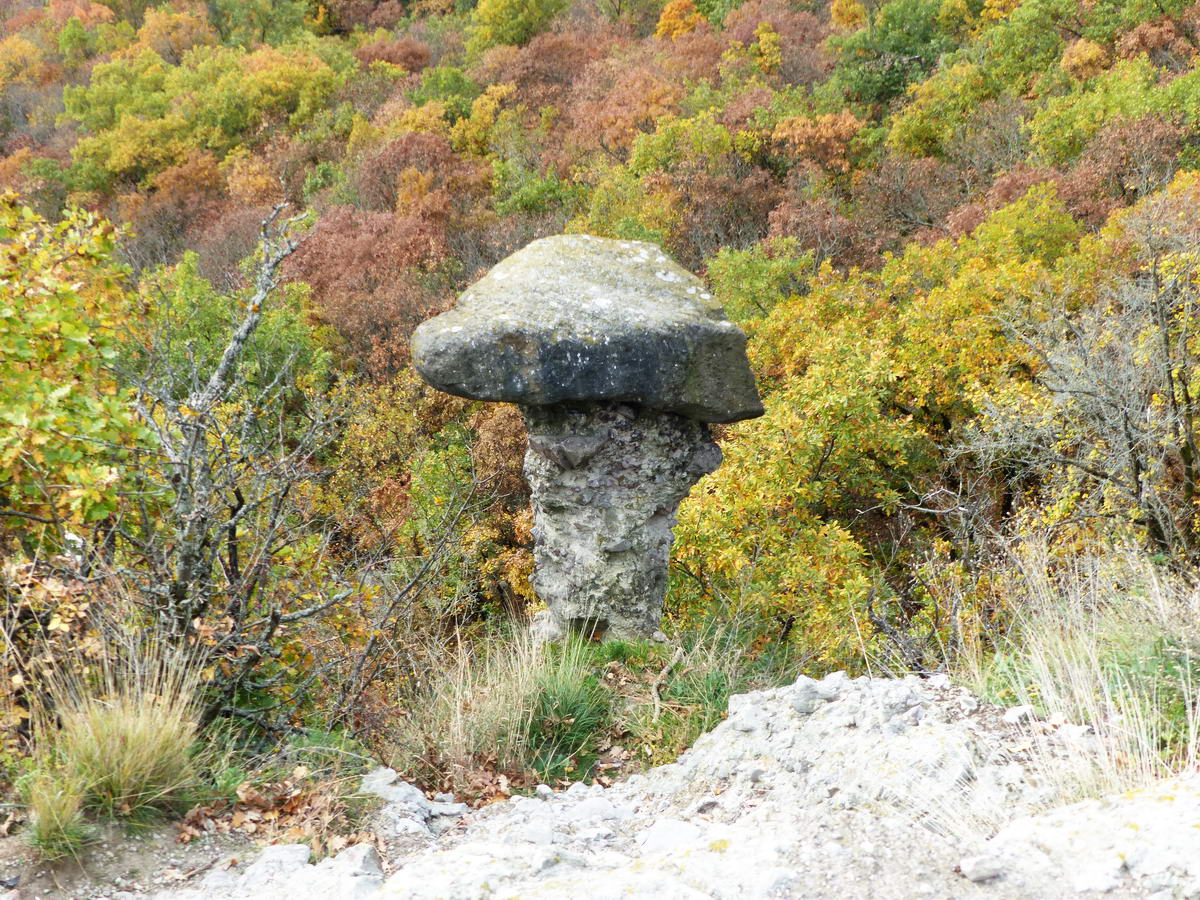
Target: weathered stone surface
580,318
783,800
607,480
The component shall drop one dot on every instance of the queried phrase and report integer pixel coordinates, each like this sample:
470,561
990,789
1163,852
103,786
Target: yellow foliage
62,416
848,15
679,17
412,186
767,51
11,166
473,134
862,378
429,118
997,10
1085,59
363,135
20,60
249,178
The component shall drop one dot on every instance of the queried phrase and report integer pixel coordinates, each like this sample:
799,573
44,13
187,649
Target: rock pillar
619,359
607,480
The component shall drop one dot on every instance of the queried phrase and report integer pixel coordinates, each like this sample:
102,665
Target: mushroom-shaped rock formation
618,359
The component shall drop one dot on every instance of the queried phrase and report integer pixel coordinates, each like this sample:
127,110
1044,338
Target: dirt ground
119,865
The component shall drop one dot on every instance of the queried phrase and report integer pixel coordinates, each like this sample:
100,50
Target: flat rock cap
579,318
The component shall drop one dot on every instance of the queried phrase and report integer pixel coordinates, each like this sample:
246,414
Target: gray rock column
618,359
607,480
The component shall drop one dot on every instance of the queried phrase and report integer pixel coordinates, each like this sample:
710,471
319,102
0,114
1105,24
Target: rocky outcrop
886,789
618,358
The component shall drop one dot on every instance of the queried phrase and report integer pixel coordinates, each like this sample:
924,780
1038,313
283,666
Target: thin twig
656,687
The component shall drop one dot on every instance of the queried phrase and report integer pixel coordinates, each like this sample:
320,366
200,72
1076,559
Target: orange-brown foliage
419,164
802,37
615,102
372,280
87,12
823,141
544,70
1124,162
1169,42
408,53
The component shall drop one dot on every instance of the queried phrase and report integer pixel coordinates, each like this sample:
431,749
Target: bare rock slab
579,318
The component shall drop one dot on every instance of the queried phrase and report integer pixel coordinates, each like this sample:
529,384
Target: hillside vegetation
961,234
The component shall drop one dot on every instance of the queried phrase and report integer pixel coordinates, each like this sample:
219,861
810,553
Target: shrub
902,44
510,21
408,53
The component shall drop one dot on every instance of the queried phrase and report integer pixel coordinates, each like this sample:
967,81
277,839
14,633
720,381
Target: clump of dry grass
508,712
55,802
1113,643
115,740
501,709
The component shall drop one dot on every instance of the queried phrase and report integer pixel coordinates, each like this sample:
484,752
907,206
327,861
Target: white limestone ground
833,789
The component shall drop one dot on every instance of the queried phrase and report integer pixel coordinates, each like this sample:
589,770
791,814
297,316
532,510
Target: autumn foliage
961,237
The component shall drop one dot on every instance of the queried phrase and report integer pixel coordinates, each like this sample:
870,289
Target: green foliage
145,115
75,43
517,189
716,10
250,22
700,140
620,206
1023,46
864,376
189,321
749,283
940,106
323,176
66,423
451,86
901,43
512,22
1131,89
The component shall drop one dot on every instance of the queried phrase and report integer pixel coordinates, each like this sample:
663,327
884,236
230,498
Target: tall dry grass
1111,642
479,710
114,740
546,712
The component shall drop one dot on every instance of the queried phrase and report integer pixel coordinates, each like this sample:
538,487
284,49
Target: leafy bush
66,422
902,43
512,22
